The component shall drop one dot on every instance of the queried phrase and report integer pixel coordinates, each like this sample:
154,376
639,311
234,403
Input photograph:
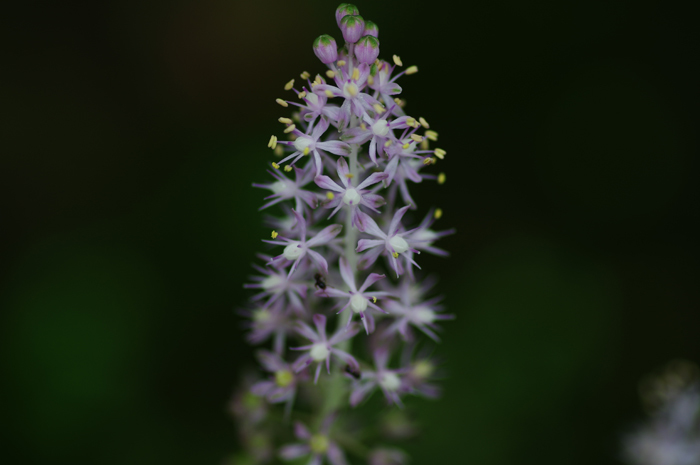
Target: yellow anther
387,143
273,142
275,165
290,128
330,195
292,137
288,168
440,154
397,60
412,69
289,85
314,84
424,145
349,175
424,123
305,75
329,94
432,135
356,74
370,80
374,300
378,62
282,102
285,120
395,255
363,126
274,234
411,122
429,161
341,62
406,145
278,150
296,117
318,79
441,178
301,94
378,108
330,74
399,102
416,138
306,151
438,213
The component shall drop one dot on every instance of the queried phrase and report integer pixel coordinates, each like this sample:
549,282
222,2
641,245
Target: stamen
274,234
429,161
406,145
356,74
330,74
424,122
399,102
273,142
411,122
397,60
290,129
282,102
432,135
412,69
416,138
305,75
329,94
363,126
306,151
395,254
387,143
289,85
441,178
341,62
378,108
330,195
374,300
440,154
370,80
285,120
278,150
438,213
288,168
319,79
424,145
301,94
275,165
349,175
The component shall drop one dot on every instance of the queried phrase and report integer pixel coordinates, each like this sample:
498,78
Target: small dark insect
355,373
320,283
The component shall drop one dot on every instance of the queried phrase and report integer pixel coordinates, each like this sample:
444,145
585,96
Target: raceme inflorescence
340,301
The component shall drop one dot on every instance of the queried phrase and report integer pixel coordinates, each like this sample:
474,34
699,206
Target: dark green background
132,132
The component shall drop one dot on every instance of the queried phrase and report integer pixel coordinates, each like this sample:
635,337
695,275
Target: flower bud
345,9
371,29
326,49
367,49
352,28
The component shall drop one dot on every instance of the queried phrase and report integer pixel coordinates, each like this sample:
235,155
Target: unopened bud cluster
339,296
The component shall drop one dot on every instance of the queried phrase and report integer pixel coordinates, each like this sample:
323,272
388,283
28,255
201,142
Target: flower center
352,197
318,443
312,98
390,382
303,142
261,315
380,128
293,251
283,378
319,351
358,303
278,187
350,90
399,244
271,282
425,315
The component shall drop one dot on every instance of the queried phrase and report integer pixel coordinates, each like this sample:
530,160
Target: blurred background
132,133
